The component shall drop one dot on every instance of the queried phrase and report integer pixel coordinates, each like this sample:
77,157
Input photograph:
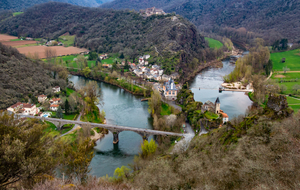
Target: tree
59,113
285,69
86,71
122,56
283,88
155,103
126,66
269,67
92,95
296,88
121,173
77,158
92,55
24,157
148,148
67,106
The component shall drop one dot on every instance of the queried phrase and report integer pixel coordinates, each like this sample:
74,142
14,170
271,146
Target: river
123,108
209,81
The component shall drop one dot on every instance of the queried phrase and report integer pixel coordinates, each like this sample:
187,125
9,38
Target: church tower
217,106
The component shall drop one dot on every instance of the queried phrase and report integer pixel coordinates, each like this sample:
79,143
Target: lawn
52,129
289,86
69,91
214,43
292,60
67,40
93,117
17,13
13,40
69,116
211,115
165,109
296,108
66,128
70,137
292,100
287,76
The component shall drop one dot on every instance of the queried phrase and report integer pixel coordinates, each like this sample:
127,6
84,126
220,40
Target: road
74,128
172,103
183,144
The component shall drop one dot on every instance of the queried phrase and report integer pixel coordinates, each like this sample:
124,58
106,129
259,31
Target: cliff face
277,104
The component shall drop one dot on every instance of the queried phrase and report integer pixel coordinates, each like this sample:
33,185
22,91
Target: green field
214,43
13,40
70,116
67,40
287,76
292,100
69,91
17,13
52,129
296,108
165,109
289,86
211,115
292,60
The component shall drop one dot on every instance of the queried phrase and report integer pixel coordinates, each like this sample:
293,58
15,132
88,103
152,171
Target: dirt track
60,50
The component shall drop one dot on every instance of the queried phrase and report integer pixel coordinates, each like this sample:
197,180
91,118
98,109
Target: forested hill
20,77
272,19
19,5
110,31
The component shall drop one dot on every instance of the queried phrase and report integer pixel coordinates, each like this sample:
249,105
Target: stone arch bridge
114,129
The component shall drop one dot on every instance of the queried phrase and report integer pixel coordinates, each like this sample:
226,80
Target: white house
56,89
55,101
224,116
146,57
24,109
42,98
54,107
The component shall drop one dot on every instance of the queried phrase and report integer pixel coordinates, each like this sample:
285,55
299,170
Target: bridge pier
115,136
144,135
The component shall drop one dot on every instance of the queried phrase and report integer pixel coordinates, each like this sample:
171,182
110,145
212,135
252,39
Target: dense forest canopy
272,19
19,5
112,31
20,77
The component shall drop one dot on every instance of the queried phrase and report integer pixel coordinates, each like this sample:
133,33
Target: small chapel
212,107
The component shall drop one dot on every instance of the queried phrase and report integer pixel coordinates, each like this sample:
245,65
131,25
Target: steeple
217,101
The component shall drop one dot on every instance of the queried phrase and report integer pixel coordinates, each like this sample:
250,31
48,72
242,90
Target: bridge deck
107,126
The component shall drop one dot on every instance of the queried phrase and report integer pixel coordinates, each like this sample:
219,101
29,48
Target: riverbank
111,83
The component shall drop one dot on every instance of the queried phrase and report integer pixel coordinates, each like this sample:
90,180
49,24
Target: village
32,109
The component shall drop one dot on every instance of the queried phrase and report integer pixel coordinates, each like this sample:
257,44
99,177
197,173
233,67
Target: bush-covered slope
112,31
19,77
19,5
270,18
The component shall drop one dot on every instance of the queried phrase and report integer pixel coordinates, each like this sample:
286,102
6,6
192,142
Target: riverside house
170,90
23,109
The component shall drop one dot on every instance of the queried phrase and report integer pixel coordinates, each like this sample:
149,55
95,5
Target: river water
209,81
123,108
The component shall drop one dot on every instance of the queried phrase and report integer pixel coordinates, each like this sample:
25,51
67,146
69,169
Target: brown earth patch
279,76
4,37
18,43
40,50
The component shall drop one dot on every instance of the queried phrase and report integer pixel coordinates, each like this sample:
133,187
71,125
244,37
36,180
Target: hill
168,38
18,5
271,19
20,77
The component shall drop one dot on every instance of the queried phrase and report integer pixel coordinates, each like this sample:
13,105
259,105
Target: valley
151,69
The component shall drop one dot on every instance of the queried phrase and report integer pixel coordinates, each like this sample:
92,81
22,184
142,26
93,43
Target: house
170,90
224,116
103,56
106,66
160,72
55,101
155,67
56,89
174,76
24,109
29,38
42,98
212,107
152,11
54,107
146,57
165,77
146,62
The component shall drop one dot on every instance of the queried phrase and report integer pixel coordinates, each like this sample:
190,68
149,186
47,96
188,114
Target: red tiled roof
28,105
224,114
42,96
55,105
55,99
16,105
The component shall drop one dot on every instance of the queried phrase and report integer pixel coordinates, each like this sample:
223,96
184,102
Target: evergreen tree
67,106
59,113
121,56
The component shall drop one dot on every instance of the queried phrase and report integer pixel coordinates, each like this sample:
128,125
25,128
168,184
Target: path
269,76
171,103
288,72
203,130
74,128
183,144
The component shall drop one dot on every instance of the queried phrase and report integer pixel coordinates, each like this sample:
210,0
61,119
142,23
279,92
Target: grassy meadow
292,60
214,43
